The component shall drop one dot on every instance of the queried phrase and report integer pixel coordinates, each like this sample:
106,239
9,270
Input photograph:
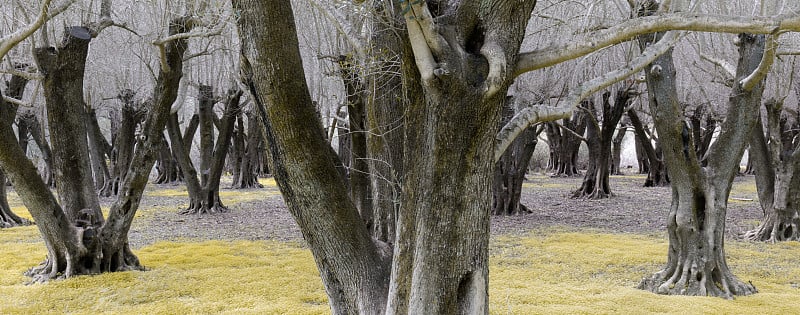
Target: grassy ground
553,269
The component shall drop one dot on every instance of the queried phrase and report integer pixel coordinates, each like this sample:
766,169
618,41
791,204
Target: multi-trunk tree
696,262
564,140
776,161
599,132
14,89
204,190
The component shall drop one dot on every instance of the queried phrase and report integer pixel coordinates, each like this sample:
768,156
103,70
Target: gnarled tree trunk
16,87
656,169
511,168
595,182
696,263
777,170
565,143
251,152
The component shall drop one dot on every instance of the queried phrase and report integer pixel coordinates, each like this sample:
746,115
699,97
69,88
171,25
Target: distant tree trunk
204,191
564,145
777,170
696,263
703,125
616,150
167,166
656,169
252,150
15,89
384,107
124,140
359,173
237,153
595,182
37,133
98,149
510,170
641,155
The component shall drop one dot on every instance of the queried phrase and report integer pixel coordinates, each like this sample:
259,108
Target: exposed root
776,227
201,208
692,280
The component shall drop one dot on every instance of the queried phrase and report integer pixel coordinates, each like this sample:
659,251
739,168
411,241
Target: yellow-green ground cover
553,270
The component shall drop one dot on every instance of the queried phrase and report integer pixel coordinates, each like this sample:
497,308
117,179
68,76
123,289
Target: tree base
205,209
776,228
8,219
693,282
125,260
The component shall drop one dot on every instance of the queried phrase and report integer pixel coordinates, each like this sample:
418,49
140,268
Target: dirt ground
634,209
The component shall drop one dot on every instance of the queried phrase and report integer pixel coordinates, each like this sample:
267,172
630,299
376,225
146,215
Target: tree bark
595,182
15,89
656,169
616,151
510,170
79,242
97,152
565,144
696,263
776,165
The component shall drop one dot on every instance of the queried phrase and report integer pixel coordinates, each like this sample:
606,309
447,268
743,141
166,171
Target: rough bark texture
78,240
98,150
776,165
385,107
656,169
354,269
359,173
696,263
15,89
565,144
595,182
702,124
204,191
251,151
37,133
510,171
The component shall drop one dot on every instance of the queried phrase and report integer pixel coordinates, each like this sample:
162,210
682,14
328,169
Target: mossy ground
555,269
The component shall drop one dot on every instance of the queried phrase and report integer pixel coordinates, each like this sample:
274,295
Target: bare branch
16,101
191,23
627,30
767,60
47,13
535,114
727,67
30,76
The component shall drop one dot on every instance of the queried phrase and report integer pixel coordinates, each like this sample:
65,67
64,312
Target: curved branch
749,82
535,114
629,29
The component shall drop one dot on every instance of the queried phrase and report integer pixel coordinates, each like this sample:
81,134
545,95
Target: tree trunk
656,170
251,155
37,133
124,141
703,125
167,166
510,171
78,240
565,144
16,88
616,151
359,169
777,170
97,153
696,263
595,182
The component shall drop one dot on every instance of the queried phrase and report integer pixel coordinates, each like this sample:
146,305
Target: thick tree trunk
565,144
15,89
78,240
696,263
656,169
595,182
124,142
703,125
776,166
167,166
510,171
353,267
